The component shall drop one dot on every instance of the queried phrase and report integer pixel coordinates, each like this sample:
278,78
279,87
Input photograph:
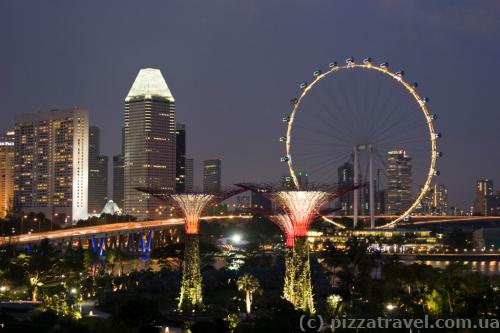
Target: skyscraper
484,188
435,201
118,180
119,175
6,172
149,142
346,179
493,204
98,173
180,158
189,184
51,163
212,175
399,182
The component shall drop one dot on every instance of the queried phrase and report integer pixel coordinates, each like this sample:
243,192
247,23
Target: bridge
426,220
145,234
137,236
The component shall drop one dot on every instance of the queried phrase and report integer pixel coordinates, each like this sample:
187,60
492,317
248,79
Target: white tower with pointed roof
149,143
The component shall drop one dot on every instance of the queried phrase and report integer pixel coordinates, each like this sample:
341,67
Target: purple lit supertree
191,206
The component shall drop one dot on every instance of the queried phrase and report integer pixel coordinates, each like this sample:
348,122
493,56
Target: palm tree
34,282
248,284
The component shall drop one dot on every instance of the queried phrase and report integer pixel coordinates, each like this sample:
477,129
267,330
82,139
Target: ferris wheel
365,124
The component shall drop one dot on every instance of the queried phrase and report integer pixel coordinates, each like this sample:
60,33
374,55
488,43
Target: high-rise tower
484,189
212,175
399,192
346,179
51,163
149,142
189,184
98,173
119,176
180,158
6,172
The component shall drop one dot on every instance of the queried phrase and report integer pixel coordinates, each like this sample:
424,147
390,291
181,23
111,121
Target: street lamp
35,219
22,221
53,220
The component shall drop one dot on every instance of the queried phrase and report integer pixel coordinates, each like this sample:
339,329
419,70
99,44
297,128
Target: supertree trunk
288,287
191,297
303,296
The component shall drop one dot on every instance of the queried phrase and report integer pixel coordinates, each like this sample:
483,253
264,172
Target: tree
110,259
232,322
458,239
191,297
89,260
250,285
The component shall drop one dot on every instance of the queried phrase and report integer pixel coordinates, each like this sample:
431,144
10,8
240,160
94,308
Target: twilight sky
233,66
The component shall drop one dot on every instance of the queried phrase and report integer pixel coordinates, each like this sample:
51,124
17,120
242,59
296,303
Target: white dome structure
111,208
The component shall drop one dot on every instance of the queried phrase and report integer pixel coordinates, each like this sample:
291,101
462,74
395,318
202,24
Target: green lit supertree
300,208
191,207
285,224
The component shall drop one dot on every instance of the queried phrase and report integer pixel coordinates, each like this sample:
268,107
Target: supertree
191,207
301,207
284,222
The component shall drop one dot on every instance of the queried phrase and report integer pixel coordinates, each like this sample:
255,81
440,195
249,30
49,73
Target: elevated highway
106,230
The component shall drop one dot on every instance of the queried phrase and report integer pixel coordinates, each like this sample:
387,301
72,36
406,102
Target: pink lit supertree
301,207
285,224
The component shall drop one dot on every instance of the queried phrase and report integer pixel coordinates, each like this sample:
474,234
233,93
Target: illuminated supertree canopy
284,222
192,205
301,207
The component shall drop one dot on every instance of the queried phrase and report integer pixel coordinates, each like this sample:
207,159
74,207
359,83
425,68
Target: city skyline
101,86
257,166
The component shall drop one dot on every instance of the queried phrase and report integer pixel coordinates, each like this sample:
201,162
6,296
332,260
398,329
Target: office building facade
399,182
345,178
119,175
212,175
484,188
189,182
435,201
118,180
98,173
180,158
6,173
149,159
51,163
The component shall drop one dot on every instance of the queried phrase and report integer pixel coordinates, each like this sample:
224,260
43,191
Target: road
106,229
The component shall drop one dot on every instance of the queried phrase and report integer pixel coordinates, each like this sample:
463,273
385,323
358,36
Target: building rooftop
148,83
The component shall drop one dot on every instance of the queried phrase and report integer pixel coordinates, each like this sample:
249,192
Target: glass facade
149,143
212,176
98,173
399,183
